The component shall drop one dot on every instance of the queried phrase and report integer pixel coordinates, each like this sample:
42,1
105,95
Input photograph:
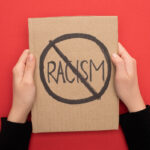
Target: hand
126,80
23,88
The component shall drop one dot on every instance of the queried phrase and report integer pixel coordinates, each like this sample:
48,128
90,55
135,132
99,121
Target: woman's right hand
23,88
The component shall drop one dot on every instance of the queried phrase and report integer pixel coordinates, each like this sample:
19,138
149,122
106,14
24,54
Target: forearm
136,128
16,131
15,135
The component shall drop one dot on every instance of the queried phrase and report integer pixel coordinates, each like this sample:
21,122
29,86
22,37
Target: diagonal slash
74,70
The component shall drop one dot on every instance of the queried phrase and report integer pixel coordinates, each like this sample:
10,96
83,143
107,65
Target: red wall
134,33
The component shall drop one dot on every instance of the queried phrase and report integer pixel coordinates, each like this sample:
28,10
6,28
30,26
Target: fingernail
114,55
27,50
30,57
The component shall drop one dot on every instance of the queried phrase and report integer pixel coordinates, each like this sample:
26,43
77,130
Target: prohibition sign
53,43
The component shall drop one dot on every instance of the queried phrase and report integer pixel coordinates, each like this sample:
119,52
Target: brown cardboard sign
74,74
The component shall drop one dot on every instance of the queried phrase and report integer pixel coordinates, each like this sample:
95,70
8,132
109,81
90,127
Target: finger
23,57
29,69
19,68
119,64
129,61
123,52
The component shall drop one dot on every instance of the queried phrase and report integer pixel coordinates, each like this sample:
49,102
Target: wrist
17,116
136,105
136,109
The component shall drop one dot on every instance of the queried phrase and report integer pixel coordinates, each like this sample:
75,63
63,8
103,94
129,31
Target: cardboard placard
74,75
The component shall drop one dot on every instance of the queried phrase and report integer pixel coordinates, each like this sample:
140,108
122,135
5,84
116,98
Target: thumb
119,64
29,69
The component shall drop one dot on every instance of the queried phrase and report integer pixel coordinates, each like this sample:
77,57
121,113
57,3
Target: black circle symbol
51,44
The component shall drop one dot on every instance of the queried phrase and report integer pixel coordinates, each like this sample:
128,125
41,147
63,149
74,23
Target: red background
134,33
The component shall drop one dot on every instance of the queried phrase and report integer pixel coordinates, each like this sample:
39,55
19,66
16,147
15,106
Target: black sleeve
136,128
15,136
